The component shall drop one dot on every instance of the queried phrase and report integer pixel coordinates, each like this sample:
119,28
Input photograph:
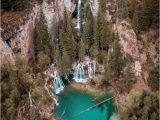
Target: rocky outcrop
130,46
94,4
53,12
111,8
18,31
20,39
6,55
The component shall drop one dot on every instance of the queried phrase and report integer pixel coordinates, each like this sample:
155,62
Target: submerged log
93,106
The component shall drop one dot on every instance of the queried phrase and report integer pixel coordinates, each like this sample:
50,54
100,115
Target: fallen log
93,106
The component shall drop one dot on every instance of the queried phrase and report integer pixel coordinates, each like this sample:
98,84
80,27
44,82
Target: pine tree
88,30
153,79
102,33
144,21
67,44
42,37
81,50
148,107
135,22
33,114
122,8
115,63
128,78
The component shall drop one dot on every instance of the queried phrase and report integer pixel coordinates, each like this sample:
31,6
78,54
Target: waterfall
79,73
90,70
78,15
58,84
94,68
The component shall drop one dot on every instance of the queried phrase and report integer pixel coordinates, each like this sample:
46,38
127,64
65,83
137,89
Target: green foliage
33,114
81,50
88,30
121,11
42,37
153,79
66,50
128,78
115,63
101,31
15,5
134,97
15,86
144,17
148,107
43,62
101,57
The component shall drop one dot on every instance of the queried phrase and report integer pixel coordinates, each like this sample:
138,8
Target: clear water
76,101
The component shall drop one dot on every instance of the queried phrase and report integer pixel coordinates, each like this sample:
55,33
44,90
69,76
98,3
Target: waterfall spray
58,84
79,73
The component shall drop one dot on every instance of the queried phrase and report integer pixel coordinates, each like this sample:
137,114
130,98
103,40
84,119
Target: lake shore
87,88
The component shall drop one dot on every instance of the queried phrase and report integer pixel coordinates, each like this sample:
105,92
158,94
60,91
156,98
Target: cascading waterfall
94,68
78,15
90,70
58,84
79,73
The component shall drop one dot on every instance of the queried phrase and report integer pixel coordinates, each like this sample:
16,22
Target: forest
95,39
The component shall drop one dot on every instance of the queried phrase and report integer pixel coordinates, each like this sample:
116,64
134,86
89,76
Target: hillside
95,46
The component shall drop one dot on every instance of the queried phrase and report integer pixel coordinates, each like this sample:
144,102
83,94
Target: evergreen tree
102,32
15,5
33,114
42,38
115,63
128,78
153,79
67,44
88,30
135,22
148,107
81,50
122,8
43,62
144,21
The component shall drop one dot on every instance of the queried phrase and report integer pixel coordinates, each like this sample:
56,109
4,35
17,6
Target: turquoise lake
73,102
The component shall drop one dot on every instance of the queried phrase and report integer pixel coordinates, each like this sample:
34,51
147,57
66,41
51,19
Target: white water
90,70
80,74
78,15
58,84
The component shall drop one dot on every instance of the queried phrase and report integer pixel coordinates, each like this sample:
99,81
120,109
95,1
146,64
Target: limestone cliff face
131,46
53,12
94,4
18,38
